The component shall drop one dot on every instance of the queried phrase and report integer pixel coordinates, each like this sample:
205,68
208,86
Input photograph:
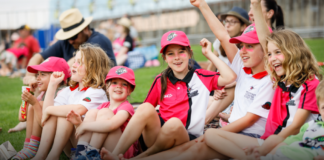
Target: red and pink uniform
185,99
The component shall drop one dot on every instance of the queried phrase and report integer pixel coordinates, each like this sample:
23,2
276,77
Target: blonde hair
97,65
319,92
299,64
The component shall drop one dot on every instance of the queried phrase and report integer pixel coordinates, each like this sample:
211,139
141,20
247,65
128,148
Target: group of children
275,113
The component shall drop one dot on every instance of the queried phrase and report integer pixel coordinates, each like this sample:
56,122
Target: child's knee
91,114
172,126
145,110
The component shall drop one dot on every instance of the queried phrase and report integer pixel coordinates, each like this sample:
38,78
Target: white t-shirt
216,46
251,93
88,97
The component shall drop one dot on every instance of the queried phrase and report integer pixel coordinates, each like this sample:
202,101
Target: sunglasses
74,37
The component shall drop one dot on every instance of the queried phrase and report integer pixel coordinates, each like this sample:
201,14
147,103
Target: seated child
9,57
34,129
86,92
308,143
103,126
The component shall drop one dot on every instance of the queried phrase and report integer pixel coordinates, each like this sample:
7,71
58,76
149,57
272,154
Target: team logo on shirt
46,60
171,36
249,29
291,103
87,99
252,87
267,105
121,71
168,96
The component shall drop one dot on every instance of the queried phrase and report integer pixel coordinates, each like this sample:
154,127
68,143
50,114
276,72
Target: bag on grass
7,151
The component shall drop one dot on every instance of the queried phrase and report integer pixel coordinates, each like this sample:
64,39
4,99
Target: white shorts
260,141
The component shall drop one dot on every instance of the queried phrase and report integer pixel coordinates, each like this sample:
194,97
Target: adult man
75,31
30,42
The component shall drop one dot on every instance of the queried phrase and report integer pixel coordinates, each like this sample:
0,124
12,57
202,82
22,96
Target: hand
74,118
252,153
219,94
197,3
80,130
45,117
33,86
28,97
224,116
206,47
200,139
29,79
56,78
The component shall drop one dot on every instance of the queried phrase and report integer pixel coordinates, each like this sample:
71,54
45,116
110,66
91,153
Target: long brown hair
97,65
166,72
299,64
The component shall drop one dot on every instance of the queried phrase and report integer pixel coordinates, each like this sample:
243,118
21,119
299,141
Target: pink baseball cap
52,64
248,36
122,72
174,37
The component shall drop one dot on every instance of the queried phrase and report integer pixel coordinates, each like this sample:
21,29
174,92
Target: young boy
308,144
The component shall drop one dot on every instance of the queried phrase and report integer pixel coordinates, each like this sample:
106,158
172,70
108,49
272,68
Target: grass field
10,92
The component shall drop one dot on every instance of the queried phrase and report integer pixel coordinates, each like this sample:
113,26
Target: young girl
34,129
85,92
182,94
103,126
294,70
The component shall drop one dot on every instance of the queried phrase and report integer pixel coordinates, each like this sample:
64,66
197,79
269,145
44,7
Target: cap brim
237,16
61,35
132,83
244,39
36,68
178,43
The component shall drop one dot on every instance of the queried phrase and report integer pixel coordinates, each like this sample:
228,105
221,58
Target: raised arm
227,75
217,28
260,23
55,80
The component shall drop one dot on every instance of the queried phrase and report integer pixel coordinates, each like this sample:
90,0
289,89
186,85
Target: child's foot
20,126
250,153
106,155
74,118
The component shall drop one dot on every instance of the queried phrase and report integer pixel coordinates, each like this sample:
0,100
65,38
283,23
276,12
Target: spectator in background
124,43
75,31
9,57
31,43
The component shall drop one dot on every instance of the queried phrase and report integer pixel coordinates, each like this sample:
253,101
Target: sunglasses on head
74,37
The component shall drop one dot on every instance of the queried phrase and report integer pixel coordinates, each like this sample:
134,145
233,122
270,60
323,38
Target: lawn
10,92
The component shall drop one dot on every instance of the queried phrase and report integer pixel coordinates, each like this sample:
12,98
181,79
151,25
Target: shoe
93,155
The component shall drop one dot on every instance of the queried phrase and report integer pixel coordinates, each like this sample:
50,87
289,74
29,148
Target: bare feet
74,118
106,155
252,153
19,127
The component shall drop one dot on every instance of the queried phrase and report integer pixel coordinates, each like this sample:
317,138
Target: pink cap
122,72
248,36
174,37
52,64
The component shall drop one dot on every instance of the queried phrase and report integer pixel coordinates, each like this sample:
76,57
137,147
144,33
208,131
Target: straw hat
72,22
124,22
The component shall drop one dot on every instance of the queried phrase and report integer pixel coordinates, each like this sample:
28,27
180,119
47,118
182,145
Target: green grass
10,92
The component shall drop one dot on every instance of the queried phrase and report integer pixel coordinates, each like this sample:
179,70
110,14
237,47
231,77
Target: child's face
251,54
118,90
321,107
42,79
78,69
177,58
275,59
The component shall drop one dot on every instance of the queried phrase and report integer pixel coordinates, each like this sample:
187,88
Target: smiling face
177,58
276,59
78,69
118,89
252,55
42,79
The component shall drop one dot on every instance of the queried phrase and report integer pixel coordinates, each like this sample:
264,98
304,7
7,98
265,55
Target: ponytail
166,72
278,13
